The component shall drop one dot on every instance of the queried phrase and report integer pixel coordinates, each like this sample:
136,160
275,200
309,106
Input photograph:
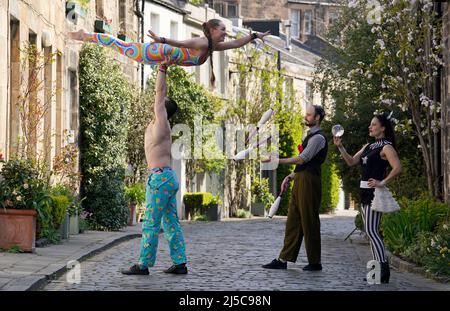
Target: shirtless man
162,187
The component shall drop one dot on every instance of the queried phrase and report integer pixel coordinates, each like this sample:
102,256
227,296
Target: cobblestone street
228,255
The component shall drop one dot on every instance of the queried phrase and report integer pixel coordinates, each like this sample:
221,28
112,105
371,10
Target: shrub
20,185
105,200
401,229
135,193
242,213
437,260
260,192
330,187
59,209
105,97
197,199
431,250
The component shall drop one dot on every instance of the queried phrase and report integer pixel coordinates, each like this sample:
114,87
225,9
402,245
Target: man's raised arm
160,96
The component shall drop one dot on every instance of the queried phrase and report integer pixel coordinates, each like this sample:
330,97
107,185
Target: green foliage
330,187
290,131
15,249
260,192
242,213
437,259
365,76
196,2
60,203
199,217
135,193
401,229
140,114
431,250
20,185
105,97
198,199
108,206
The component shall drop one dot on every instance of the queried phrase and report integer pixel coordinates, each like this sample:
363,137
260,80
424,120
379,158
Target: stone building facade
44,24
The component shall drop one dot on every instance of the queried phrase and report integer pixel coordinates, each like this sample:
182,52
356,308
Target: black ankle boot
385,272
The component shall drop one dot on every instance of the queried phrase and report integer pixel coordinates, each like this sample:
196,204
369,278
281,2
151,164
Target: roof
320,2
170,4
298,54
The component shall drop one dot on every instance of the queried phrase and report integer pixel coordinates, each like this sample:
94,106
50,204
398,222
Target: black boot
385,272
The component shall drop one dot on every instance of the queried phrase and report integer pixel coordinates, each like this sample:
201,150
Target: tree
386,66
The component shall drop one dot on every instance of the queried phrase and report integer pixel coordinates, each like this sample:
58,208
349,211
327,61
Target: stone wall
45,23
264,9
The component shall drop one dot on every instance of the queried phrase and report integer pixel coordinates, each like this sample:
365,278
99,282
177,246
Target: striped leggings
372,225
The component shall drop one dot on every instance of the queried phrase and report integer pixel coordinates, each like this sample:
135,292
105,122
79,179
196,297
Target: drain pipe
139,12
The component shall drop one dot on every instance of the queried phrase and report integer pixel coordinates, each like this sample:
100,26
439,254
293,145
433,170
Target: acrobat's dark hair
171,107
207,26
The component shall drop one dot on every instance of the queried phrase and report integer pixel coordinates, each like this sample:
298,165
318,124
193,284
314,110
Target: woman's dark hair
386,122
212,23
171,107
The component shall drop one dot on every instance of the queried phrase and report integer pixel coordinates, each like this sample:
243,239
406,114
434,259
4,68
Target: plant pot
257,209
132,214
102,27
213,212
64,229
74,224
18,228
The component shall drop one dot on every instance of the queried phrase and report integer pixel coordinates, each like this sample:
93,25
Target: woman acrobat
191,52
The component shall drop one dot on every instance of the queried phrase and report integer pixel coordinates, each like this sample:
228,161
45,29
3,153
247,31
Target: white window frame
295,23
308,22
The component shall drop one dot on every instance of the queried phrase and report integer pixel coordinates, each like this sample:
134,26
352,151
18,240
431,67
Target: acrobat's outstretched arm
237,43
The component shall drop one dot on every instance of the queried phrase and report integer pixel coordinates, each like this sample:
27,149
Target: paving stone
228,255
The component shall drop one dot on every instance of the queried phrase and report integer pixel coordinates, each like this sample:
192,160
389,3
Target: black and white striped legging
372,224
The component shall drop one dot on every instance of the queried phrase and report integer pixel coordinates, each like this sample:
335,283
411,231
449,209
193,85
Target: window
295,23
154,23
174,30
232,10
48,102
309,96
308,22
332,17
14,78
72,105
218,7
59,93
122,14
99,8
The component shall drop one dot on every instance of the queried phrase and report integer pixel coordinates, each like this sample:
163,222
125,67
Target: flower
19,198
300,148
25,186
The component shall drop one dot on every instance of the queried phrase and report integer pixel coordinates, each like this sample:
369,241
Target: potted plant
70,225
135,196
261,197
213,212
22,196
